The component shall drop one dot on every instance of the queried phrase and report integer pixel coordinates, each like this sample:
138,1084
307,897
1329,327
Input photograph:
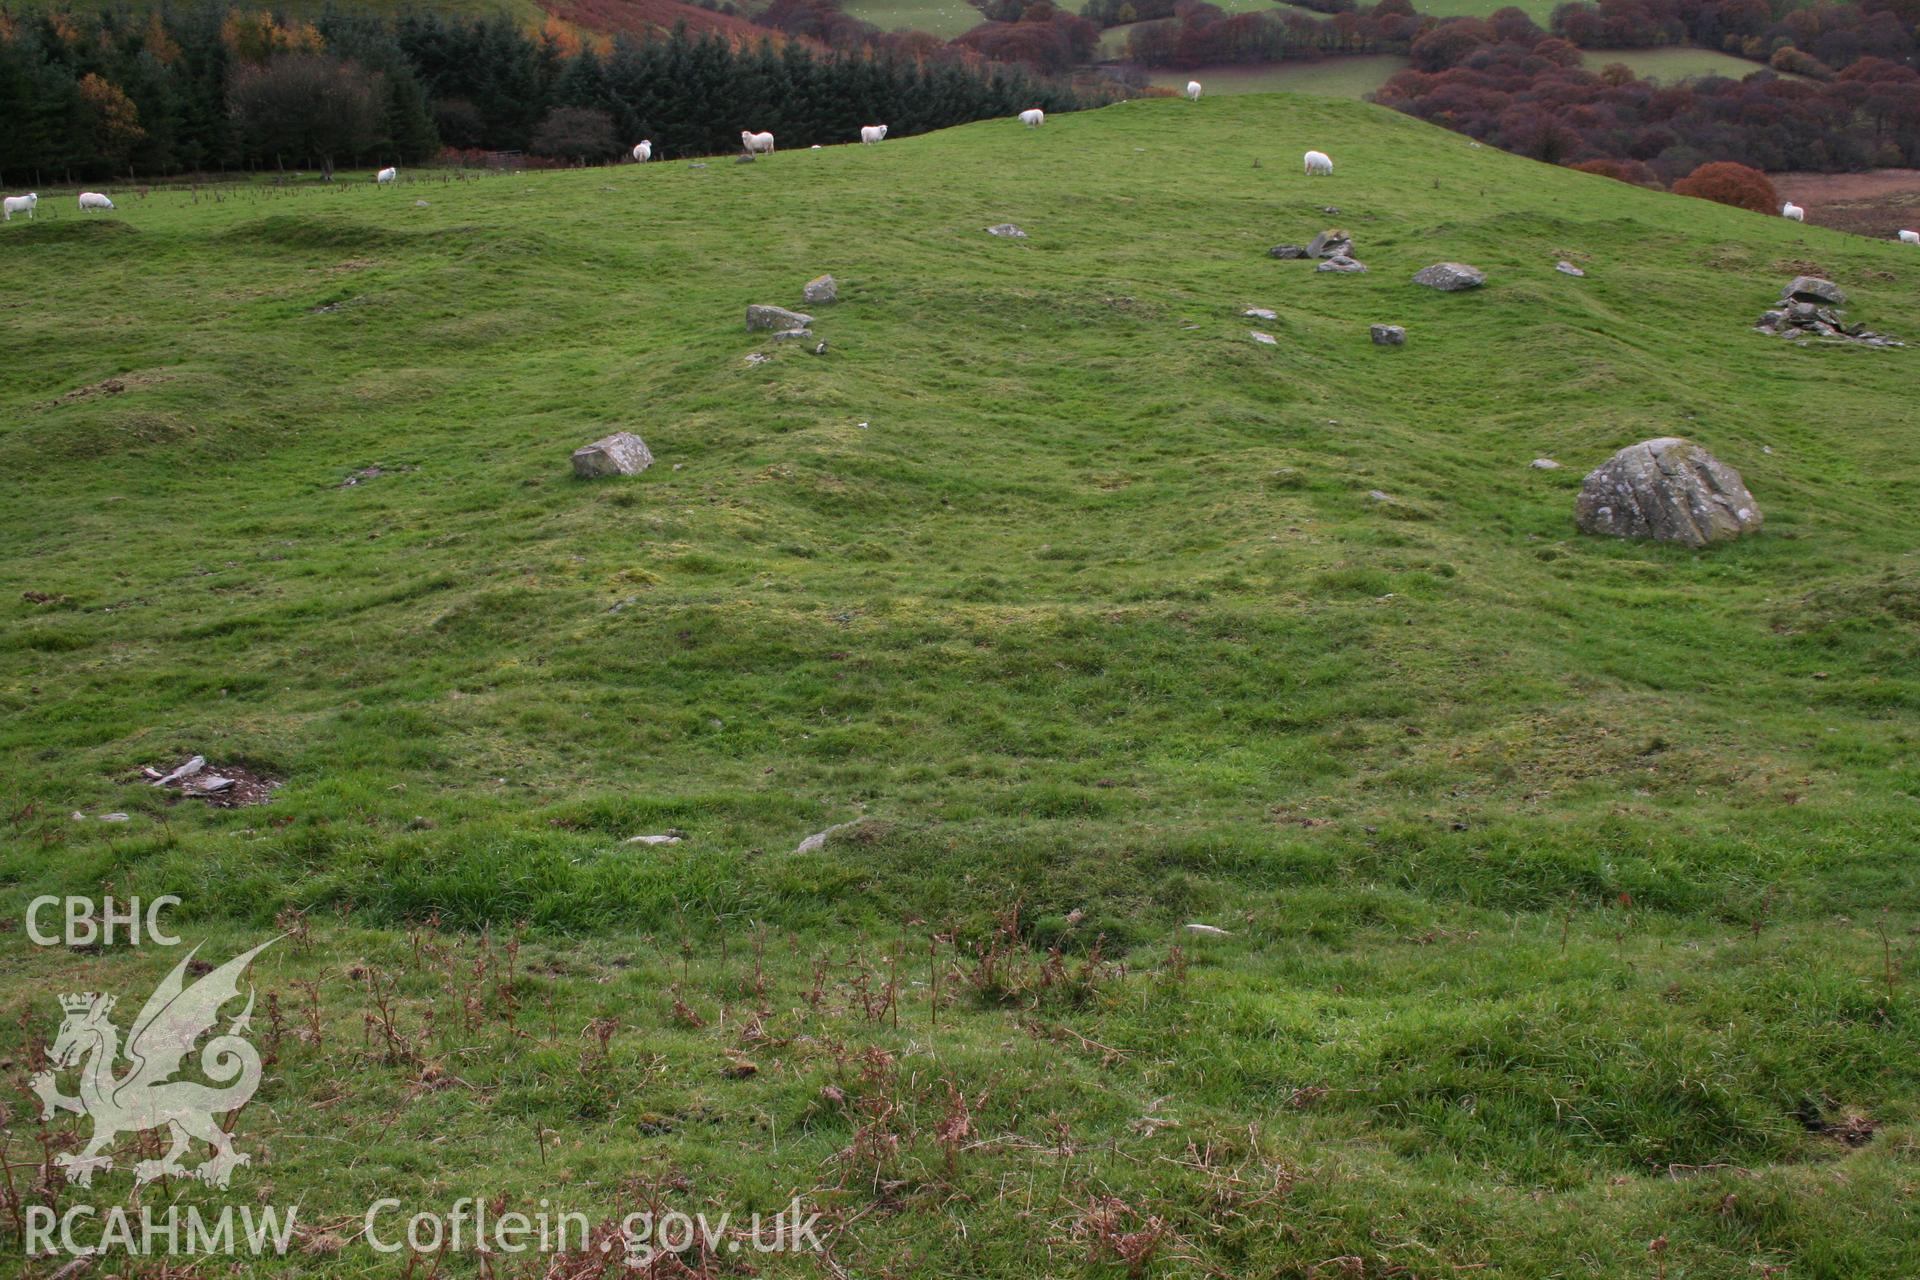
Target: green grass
1568,881
943,18
1674,65
1354,77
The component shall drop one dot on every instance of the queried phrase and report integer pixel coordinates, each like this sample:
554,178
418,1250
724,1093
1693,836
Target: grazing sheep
755,143
1033,118
386,175
644,152
1910,237
1319,162
20,204
94,200
871,133
1793,211
1193,91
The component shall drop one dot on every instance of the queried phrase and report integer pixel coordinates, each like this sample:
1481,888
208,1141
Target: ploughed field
1567,884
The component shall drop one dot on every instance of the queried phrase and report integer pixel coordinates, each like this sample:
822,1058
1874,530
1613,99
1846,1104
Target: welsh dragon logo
146,1096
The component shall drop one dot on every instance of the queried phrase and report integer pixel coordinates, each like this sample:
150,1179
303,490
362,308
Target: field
1673,65
1567,885
1877,204
943,18
1354,77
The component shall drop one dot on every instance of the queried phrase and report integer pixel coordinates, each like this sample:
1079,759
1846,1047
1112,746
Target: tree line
124,93
1509,84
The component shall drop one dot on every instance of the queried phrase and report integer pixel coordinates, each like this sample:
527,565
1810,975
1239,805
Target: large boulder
1389,335
775,318
1451,277
1670,490
620,454
1814,289
821,289
1330,244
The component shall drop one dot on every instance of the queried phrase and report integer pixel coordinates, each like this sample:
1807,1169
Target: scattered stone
1544,464
818,840
1007,229
1330,244
1208,931
821,289
1389,335
671,837
1266,338
1568,269
1451,277
789,335
775,318
420,204
820,348
1260,313
1670,490
1814,289
1287,251
187,770
1375,495
755,357
223,786
696,165
115,817
79,816
1799,315
620,454
1331,211
1343,265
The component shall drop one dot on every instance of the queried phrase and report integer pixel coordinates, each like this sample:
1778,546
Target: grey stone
777,318
790,335
1330,244
1266,338
818,840
1670,490
1007,229
1389,335
1568,269
1287,251
620,454
1814,289
1260,313
185,771
821,289
1342,264
1544,464
1451,277
820,349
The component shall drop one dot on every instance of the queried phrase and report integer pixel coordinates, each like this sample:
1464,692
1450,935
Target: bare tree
308,106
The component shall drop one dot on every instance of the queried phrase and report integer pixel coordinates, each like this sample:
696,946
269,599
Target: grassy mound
1567,882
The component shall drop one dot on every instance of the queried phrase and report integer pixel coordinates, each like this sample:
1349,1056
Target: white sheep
1910,237
386,175
871,133
755,143
1319,162
1793,212
20,204
644,152
1033,118
1193,91
94,200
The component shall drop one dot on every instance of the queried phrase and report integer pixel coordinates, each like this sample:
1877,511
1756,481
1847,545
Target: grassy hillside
1353,77
1568,884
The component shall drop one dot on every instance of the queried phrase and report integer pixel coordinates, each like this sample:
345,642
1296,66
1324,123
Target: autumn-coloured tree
1632,172
1725,182
111,120
255,36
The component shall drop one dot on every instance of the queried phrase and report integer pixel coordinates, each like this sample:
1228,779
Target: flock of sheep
29,202
1795,213
752,144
